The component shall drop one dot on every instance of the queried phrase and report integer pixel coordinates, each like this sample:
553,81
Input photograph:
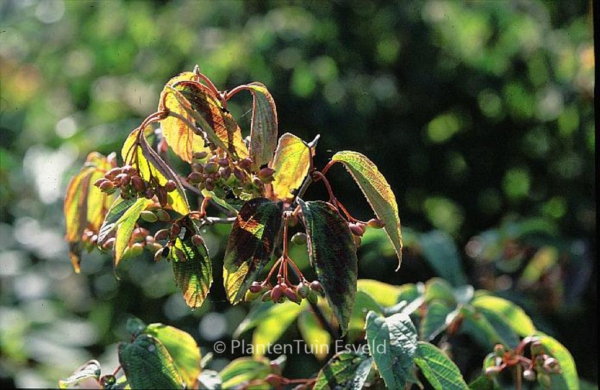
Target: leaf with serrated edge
378,193
193,276
346,370
332,253
125,227
393,344
291,164
263,129
250,245
180,137
137,152
183,349
85,205
438,369
148,365
244,370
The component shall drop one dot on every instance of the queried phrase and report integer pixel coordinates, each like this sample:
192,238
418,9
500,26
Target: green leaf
263,130
116,211
135,326
363,304
194,275
439,289
378,193
487,328
483,382
85,376
250,245
332,253
434,321
244,370
314,335
179,136
392,343
441,253
273,323
148,365
383,293
501,326
183,349
139,154
514,315
125,226
291,164
568,375
438,369
85,205
346,370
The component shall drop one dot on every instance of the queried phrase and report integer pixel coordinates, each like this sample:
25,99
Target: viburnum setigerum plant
257,184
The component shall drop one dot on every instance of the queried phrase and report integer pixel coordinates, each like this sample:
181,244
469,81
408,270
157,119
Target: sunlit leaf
139,154
439,289
272,324
332,253
346,370
263,130
200,103
438,369
194,275
244,370
393,344
125,226
291,164
568,378
363,304
487,329
315,336
148,365
85,205
183,349
250,245
378,193
519,321
180,137
116,211
85,376
383,293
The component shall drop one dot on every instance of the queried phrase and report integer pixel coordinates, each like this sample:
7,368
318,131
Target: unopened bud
197,240
211,168
276,293
358,229
266,174
148,216
170,186
529,375
375,223
195,177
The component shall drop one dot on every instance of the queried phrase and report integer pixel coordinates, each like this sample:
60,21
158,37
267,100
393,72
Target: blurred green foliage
475,112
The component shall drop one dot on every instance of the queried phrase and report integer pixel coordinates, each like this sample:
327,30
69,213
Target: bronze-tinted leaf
250,245
85,205
194,275
332,253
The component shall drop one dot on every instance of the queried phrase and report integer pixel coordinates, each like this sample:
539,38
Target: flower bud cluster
358,228
222,174
282,292
128,181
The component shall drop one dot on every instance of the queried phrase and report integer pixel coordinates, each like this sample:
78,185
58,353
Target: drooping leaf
291,164
315,336
434,320
519,321
85,376
332,253
393,344
148,365
568,378
441,253
346,370
85,205
139,154
383,293
438,369
194,275
183,349
272,325
125,226
263,130
180,137
244,370
200,103
116,211
250,245
378,193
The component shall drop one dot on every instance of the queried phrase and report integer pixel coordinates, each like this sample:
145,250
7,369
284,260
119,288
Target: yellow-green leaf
244,370
180,137
516,317
568,371
317,339
291,164
272,325
378,193
383,293
125,226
